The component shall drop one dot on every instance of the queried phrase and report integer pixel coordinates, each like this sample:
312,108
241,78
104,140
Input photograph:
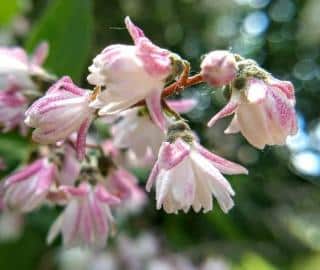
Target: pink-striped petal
229,109
152,177
182,105
155,110
81,139
135,32
104,196
40,54
223,165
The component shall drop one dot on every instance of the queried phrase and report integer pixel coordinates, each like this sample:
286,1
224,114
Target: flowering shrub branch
132,84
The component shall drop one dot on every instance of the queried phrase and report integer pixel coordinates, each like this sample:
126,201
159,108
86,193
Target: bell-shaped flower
186,175
87,217
16,66
27,189
263,112
12,108
70,167
136,131
219,68
63,110
144,145
124,185
131,73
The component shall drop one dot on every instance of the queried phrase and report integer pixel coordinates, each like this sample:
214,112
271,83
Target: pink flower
16,66
63,110
186,175
219,68
131,73
12,108
263,112
70,169
87,217
127,133
27,189
124,185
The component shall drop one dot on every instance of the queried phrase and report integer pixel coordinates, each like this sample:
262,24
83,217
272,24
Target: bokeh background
276,221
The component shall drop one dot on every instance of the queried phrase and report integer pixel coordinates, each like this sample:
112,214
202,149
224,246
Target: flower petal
229,109
154,106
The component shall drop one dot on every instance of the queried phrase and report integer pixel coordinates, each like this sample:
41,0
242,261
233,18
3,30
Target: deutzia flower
144,145
27,189
12,108
186,174
135,131
263,111
87,217
63,110
124,185
16,66
130,74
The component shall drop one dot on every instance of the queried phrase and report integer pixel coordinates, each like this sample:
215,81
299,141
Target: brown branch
181,85
177,87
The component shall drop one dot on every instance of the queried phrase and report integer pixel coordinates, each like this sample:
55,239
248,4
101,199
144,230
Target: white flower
187,175
263,112
131,74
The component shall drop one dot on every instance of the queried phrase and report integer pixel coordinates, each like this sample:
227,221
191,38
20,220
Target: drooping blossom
13,105
27,189
144,145
136,132
87,218
263,112
219,68
70,168
130,74
15,65
64,109
186,175
124,185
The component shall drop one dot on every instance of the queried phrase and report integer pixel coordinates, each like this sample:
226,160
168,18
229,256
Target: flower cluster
88,173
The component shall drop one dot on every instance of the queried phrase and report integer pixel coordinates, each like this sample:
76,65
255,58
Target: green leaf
13,149
253,261
9,9
68,26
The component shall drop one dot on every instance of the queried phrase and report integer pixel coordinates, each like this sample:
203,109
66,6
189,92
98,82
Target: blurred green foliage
67,26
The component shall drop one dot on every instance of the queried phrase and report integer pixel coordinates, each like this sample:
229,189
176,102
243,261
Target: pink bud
63,110
219,68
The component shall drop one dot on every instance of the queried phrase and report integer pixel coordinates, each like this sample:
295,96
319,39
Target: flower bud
219,68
